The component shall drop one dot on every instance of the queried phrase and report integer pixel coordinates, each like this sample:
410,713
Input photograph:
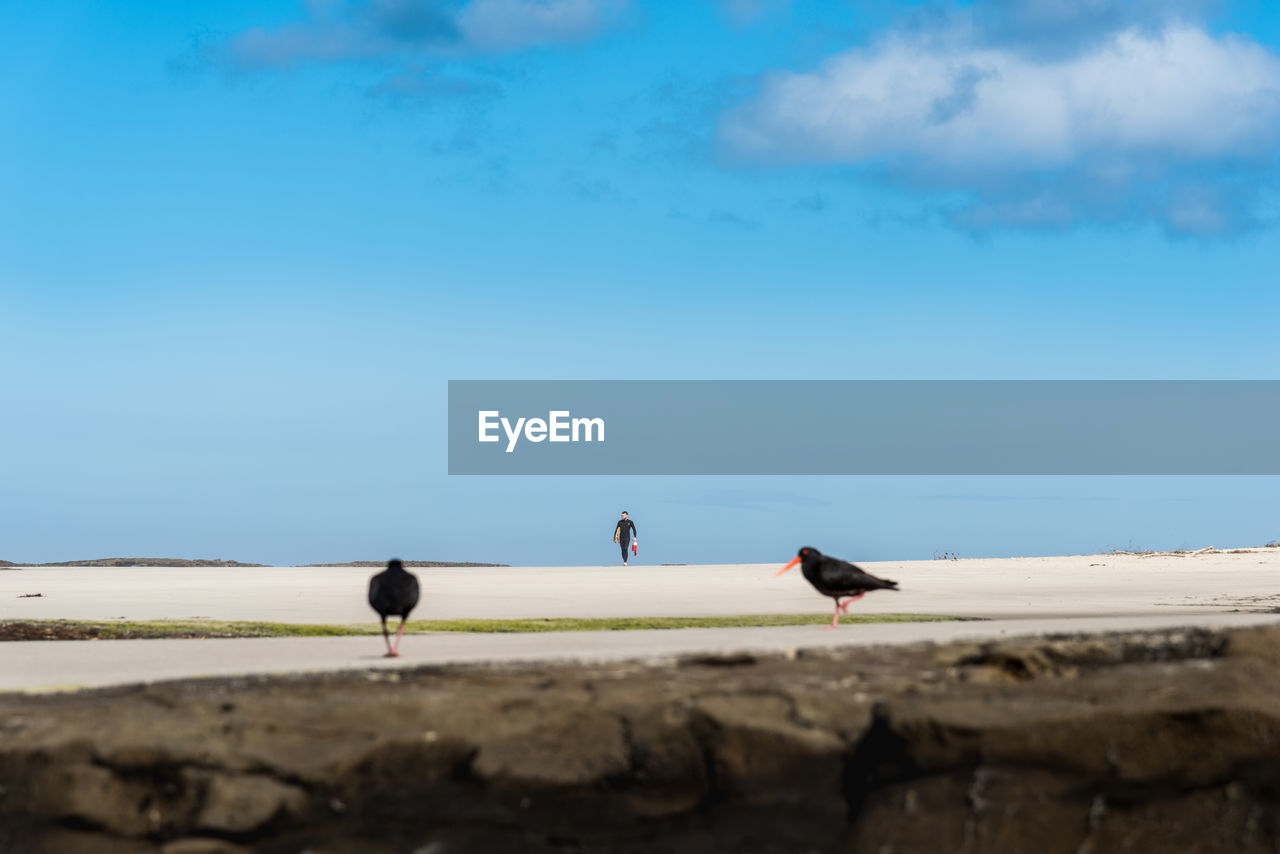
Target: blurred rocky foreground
1163,741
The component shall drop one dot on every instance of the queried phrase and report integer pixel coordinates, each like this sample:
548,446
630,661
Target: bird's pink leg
399,634
844,606
835,618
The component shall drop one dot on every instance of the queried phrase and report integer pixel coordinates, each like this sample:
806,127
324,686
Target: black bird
393,592
836,578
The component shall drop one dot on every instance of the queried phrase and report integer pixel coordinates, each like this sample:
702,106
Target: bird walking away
836,578
393,592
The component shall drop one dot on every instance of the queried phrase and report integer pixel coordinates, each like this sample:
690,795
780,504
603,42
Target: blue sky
244,246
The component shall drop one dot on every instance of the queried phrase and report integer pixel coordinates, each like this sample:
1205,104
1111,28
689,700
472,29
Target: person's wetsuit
622,535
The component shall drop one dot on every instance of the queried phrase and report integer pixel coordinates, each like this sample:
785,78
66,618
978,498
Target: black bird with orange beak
836,578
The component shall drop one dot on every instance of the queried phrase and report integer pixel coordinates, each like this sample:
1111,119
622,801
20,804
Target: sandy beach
1011,588
1015,596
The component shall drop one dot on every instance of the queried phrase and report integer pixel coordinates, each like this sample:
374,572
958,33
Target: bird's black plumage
394,592
838,578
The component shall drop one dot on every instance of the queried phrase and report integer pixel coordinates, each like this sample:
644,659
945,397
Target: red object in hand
634,543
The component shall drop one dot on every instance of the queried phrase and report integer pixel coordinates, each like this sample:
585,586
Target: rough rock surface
1164,741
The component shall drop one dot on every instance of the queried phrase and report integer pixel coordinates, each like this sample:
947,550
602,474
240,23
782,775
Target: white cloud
1178,93
1142,124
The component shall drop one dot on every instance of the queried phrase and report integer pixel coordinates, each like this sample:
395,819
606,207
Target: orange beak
794,561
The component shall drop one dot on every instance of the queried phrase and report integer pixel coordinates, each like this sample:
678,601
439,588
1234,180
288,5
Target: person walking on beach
623,533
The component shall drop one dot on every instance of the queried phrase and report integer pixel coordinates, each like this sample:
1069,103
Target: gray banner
864,427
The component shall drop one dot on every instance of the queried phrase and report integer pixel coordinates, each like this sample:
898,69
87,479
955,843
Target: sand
1084,585
1017,596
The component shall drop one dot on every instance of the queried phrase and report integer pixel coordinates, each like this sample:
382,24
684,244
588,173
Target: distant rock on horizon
139,561
421,563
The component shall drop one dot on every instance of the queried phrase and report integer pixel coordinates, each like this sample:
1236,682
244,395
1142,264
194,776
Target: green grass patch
627,624
133,629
